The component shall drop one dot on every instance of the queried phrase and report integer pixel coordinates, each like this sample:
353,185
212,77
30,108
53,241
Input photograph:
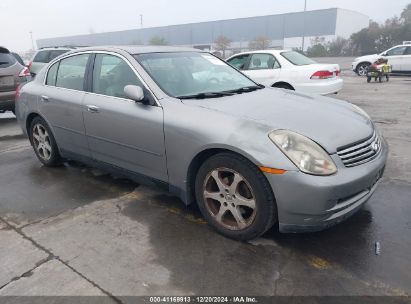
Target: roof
135,49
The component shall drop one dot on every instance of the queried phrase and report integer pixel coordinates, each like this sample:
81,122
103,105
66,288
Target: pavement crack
28,273
51,256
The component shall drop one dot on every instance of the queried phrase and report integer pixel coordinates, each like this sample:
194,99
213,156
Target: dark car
12,74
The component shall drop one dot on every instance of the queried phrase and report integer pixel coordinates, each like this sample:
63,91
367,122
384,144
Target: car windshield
194,75
297,58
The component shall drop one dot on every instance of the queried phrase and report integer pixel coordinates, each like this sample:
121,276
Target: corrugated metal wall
276,27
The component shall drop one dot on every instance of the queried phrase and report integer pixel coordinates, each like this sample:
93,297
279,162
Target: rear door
120,131
61,103
263,68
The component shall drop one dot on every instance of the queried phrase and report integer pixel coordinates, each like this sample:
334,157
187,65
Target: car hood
329,122
368,58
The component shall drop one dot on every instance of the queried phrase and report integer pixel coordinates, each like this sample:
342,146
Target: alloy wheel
229,199
362,70
41,141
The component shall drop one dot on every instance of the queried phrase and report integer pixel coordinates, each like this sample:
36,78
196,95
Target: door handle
45,98
92,109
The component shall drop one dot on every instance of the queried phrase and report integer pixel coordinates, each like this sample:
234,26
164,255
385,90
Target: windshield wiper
206,95
245,89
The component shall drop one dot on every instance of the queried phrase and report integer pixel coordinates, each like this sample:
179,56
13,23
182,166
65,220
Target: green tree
158,40
406,14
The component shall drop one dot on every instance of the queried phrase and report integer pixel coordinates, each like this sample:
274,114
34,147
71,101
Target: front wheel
43,143
362,69
235,197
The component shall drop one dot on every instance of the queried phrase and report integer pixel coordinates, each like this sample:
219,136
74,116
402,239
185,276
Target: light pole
305,9
32,41
141,21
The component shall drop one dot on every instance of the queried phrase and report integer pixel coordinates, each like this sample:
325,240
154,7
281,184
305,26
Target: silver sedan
248,155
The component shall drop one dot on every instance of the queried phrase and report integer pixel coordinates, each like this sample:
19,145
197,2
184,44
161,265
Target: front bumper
321,87
308,203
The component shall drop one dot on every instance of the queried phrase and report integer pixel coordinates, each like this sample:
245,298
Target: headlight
303,152
360,111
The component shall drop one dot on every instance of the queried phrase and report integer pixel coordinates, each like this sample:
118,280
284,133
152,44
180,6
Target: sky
54,18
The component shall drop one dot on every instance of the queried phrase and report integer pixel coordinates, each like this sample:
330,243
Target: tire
362,69
283,86
241,212
43,142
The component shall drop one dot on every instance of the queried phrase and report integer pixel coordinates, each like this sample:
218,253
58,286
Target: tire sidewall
55,158
265,202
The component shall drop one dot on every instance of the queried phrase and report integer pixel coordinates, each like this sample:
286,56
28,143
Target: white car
289,70
399,57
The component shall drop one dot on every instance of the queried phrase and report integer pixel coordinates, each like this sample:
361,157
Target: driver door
122,132
396,57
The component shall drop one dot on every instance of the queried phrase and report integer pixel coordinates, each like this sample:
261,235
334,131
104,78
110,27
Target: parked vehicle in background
250,156
44,56
289,70
12,74
399,57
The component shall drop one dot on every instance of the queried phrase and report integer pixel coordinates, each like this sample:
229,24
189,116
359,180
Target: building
284,31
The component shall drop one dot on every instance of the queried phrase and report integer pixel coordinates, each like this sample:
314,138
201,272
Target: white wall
296,42
349,22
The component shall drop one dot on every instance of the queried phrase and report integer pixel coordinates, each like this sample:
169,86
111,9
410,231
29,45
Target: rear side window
71,72
263,62
52,74
18,58
56,53
42,56
6,60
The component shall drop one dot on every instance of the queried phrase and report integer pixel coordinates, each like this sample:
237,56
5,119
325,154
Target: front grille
361,152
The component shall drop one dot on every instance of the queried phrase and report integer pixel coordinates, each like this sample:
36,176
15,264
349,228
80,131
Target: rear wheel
362,69
235,197
44,143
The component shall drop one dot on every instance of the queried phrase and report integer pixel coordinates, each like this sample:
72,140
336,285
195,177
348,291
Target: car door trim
157,103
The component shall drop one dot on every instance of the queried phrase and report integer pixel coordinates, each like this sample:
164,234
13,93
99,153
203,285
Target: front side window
239,62
52,74
263,62
297,58
183,74
111,74
71,72
398,51
42,57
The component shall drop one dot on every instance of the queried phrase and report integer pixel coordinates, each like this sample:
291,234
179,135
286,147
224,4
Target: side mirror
133,92
384,54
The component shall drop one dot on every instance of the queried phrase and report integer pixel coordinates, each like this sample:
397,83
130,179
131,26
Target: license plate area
6,81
